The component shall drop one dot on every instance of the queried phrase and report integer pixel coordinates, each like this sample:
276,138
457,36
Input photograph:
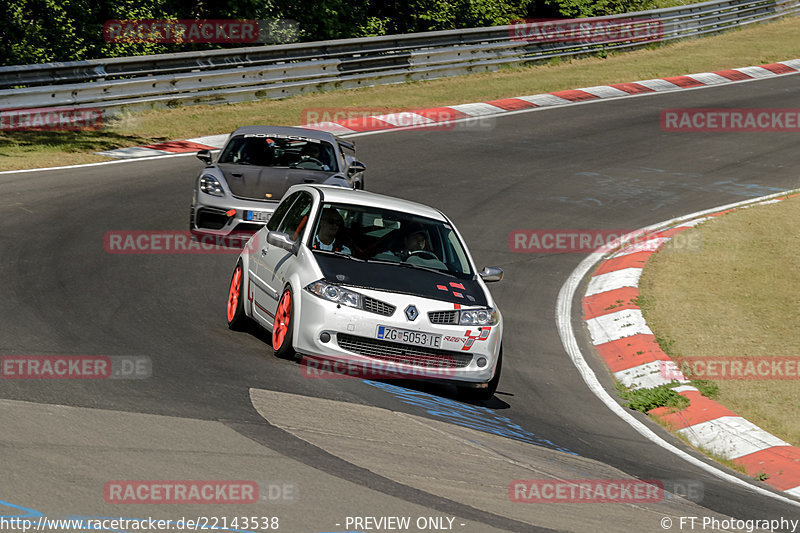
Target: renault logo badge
411,312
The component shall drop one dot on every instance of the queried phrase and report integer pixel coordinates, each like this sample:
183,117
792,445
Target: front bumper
208,214
466,354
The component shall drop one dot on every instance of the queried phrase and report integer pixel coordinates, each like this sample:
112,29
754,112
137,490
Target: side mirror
204,156
356,167
491,274
283,241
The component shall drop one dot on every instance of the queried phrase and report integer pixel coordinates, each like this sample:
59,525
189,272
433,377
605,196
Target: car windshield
265,150
390,237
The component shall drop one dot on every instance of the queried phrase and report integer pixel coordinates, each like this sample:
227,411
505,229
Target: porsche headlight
478,317
336,294
210,185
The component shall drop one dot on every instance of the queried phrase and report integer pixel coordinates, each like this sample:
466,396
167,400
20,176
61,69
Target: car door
261,292
276,262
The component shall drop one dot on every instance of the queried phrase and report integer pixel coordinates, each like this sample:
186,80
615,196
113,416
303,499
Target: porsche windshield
279,151
391,237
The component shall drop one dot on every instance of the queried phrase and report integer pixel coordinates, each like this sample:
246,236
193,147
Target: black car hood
252,182
405,280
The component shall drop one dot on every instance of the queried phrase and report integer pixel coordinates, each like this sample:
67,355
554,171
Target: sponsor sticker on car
407,336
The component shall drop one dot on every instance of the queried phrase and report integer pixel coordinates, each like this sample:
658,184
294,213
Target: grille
211,218
443,317
376,306
403,353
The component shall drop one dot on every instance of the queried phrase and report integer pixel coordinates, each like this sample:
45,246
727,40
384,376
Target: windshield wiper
412,265
340,254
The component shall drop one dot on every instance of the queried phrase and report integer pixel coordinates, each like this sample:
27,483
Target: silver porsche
239,191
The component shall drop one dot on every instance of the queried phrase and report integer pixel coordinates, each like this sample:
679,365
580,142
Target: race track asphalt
600,165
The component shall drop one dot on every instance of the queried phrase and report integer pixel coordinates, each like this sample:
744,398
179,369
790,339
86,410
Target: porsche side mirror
204,156
355,168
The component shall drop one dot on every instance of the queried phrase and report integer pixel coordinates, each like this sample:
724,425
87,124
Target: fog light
481,362
325,336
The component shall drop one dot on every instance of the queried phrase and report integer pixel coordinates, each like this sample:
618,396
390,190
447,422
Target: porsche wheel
283,327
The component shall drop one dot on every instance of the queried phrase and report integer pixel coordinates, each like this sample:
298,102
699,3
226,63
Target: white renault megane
351,276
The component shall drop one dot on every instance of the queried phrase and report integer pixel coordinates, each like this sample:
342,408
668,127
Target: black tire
484,394
237,319
284,348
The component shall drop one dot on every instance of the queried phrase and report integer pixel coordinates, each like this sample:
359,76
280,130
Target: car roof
342,195
286,130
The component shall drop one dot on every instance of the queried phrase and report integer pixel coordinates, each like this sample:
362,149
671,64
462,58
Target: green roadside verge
754,45
737,296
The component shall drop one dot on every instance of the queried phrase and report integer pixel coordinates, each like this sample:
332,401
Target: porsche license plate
407,336
257,216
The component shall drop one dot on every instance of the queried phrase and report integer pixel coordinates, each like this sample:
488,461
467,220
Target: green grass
749,272
754,45
645,400
707,388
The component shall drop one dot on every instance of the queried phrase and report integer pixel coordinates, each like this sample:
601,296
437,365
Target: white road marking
564,324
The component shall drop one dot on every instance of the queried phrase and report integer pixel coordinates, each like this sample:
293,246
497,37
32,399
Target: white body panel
269,269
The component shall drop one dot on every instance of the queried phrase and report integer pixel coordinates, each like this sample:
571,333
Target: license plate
257,216
407,336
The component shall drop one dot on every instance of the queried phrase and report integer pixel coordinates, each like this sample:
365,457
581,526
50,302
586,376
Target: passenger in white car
326,238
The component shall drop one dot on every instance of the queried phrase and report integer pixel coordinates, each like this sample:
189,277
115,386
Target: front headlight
478,317
210,185
336,294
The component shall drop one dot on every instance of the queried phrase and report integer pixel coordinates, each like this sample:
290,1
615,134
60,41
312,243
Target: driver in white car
414,241
416,248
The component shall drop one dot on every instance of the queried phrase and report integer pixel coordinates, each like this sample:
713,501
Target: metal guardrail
243,74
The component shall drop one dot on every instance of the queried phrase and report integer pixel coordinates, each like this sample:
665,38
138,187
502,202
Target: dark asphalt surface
600,165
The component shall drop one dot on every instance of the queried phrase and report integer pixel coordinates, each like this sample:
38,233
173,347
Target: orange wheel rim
282,320
233,295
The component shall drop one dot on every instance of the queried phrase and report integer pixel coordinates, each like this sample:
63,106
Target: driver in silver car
312,152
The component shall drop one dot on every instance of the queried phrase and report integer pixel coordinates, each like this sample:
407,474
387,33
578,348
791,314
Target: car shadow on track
449,391
432,387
